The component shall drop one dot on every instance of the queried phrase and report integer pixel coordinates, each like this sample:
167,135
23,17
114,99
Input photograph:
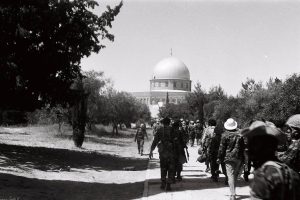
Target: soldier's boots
168,187
163,185
141,152
246,178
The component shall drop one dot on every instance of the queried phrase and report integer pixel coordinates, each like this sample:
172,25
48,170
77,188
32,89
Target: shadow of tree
48,159
17,187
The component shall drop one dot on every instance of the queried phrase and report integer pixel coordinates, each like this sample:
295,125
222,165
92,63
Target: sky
221,42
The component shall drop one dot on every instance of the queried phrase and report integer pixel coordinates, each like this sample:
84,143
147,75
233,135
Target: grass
37,162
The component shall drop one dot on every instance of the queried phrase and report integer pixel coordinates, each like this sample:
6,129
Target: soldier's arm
288,156
263,182
222,149
135,138
155,142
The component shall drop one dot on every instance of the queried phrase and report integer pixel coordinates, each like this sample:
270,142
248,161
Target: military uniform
292,156
164,139
139,138
192,134
199,131
180,146
275,181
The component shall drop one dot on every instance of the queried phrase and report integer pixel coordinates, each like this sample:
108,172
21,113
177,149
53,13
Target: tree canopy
41,46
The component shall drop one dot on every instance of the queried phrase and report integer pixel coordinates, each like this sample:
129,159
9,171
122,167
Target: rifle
187,154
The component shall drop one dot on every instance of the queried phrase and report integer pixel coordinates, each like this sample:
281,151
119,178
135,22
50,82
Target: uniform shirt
292,156
232,146
140,134
164,139
275,181
207,135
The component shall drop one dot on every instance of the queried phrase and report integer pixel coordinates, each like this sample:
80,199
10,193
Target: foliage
196,100
177,111
42,43
122,108
275,101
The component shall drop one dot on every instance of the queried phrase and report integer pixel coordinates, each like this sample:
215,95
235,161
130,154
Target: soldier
213,149
140,137
164,139
155,127
231,152
199,131
292,156
206,137
183,127
180,146
273,180
192,133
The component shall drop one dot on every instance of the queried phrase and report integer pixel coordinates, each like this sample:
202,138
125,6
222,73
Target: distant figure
164,139
184,130
192,133
292,156
231,152
140,137
273,180
199,131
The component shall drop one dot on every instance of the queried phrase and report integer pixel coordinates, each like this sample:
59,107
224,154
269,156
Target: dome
171,68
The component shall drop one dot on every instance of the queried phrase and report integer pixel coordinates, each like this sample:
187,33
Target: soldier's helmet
198,121
142,125
294,121
166,121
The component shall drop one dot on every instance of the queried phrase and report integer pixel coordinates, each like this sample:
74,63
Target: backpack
289,180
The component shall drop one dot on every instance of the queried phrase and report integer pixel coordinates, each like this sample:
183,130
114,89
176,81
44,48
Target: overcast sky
221,42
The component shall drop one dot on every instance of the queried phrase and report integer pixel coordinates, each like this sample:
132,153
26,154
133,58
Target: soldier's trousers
167,169
140,144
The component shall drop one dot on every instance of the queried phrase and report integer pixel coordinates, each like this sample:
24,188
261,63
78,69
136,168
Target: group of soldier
273,153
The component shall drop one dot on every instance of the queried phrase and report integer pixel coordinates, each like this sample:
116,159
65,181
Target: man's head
166,121
292,126
212,122
262,141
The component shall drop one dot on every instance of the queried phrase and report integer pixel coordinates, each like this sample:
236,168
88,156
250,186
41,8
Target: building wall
170,84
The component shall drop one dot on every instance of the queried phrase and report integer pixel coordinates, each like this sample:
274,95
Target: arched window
167,84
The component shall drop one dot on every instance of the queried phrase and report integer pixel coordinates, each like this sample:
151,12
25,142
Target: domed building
170,80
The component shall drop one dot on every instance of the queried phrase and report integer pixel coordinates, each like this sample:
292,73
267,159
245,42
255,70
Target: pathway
196,183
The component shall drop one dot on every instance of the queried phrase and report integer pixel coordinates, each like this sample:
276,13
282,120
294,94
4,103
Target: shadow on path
49,159
17,187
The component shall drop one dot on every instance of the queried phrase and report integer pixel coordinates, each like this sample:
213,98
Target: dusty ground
38,163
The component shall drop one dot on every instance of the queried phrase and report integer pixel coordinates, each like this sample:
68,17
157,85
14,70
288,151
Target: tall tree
196,100
41,46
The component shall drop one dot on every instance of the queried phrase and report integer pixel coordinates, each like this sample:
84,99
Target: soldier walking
231,152
292,156
164,140
180,147
273,180
140,137
199,131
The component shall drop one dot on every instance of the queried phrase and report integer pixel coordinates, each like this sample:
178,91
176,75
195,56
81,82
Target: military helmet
294,121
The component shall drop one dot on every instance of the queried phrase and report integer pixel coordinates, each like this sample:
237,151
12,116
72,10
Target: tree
93,83
41,46
196,100
123,108
42,43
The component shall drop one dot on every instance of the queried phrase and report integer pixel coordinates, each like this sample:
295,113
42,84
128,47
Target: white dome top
171,68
